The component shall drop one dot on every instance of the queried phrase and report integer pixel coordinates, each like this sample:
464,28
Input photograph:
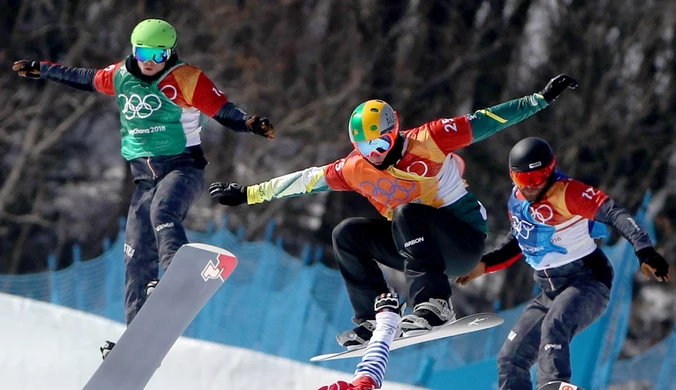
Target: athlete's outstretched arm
308,181
591,203
454,133
651,261
78,78
212,101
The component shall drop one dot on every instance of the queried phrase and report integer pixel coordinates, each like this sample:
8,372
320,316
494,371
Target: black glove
387,302
228,194
557,85
261,126
27,68
653,262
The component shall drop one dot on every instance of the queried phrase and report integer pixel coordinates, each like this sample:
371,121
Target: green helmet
372,119
154,33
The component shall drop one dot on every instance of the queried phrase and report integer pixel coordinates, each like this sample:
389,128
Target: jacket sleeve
308,181
78,78
613,214
506,253
451,134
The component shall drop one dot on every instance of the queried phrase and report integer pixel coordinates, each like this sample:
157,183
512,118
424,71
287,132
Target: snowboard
468,324
196,272
558,385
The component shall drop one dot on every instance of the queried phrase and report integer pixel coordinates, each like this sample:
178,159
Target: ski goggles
377,149
156,55
533,178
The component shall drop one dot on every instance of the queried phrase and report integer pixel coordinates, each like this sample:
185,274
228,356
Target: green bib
150,121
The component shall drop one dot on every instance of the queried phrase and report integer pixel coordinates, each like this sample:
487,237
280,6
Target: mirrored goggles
158,56
533,178
377,147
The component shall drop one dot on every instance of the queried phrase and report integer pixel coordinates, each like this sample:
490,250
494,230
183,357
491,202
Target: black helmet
530,154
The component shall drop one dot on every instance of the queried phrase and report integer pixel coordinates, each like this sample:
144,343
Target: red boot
361,383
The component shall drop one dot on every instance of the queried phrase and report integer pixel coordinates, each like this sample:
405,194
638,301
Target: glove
387,302
27,68
261,126
557,85
228,194
361,383
653,263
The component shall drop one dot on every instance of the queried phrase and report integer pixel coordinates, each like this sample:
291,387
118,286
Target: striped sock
374,361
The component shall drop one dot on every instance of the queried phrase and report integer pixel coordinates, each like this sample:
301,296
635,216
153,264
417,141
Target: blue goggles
156,55
378,146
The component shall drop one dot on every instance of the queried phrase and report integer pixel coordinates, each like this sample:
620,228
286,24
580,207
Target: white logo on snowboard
213,271
476,321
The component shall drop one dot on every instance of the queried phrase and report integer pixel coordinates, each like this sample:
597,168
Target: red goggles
533,178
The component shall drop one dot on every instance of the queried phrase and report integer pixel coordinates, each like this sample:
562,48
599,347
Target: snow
44,346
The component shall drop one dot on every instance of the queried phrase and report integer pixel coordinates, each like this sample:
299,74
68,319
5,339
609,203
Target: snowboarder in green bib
164,104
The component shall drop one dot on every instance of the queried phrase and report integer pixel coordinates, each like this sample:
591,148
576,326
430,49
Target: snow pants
166,188
573,297
428,244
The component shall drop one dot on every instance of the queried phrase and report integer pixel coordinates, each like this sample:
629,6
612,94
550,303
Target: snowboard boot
357,337
360,335
150,287
107,347
428,316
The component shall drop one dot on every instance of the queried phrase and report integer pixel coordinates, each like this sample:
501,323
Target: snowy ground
43,346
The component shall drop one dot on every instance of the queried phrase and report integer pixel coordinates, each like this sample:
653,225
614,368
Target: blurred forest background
306,64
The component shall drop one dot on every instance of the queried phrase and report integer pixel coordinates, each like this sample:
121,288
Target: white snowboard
471,323
196,272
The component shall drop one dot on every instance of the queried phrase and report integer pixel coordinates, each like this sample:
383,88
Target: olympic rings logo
134,106
522,228
173,89
542,213
388,190
424,166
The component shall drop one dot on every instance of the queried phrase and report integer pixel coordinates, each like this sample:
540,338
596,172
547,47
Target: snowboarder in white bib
164,104
554,222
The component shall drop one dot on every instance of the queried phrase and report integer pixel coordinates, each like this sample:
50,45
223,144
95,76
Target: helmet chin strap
394,155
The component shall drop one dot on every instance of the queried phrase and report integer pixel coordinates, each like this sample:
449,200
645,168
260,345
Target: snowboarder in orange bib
433,227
